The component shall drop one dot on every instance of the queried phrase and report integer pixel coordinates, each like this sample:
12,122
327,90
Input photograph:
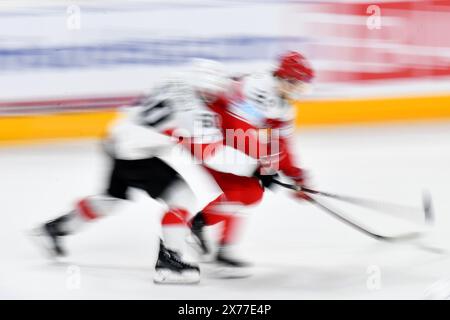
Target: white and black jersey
172,107
145,156
175,105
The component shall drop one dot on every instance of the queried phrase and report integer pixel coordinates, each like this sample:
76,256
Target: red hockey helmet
294,66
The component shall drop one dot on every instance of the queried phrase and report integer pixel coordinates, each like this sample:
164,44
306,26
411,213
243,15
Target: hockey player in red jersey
262,105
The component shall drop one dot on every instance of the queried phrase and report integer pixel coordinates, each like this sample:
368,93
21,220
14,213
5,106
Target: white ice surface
298,251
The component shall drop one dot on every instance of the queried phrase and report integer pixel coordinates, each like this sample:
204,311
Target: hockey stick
358,226
368,203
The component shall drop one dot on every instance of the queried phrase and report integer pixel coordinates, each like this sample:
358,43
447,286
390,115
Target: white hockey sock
74,222
174,237
87,210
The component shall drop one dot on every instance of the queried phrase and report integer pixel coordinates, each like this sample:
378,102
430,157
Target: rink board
16,129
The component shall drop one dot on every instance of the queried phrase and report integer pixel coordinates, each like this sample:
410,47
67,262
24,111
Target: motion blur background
65,66
376,125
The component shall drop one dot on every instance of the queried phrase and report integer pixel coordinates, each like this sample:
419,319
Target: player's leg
165,184
50,234
174,228
239,192
220,211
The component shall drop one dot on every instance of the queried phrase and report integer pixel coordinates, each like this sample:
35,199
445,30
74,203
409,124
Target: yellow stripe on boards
24,129
332,112
51,126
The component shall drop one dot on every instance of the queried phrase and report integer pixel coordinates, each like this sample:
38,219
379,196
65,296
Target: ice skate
49,237
227,265
172,269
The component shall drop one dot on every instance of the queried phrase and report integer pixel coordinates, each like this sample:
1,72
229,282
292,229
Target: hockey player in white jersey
145,155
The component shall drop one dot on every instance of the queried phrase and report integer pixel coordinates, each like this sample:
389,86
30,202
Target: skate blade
165,276
225,272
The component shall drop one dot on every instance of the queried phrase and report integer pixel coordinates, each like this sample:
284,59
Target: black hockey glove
266,179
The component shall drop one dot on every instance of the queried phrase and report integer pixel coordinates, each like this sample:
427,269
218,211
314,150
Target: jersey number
208,120
155,114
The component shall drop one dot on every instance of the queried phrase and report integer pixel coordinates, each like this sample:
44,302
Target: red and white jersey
255,106
256,100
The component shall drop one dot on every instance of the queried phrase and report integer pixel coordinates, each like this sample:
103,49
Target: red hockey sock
230,222
210,213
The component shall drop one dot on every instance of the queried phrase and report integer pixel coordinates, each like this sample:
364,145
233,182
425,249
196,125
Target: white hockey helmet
209,76
260,90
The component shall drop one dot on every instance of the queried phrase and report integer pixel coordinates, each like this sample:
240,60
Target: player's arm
280,158
140,131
